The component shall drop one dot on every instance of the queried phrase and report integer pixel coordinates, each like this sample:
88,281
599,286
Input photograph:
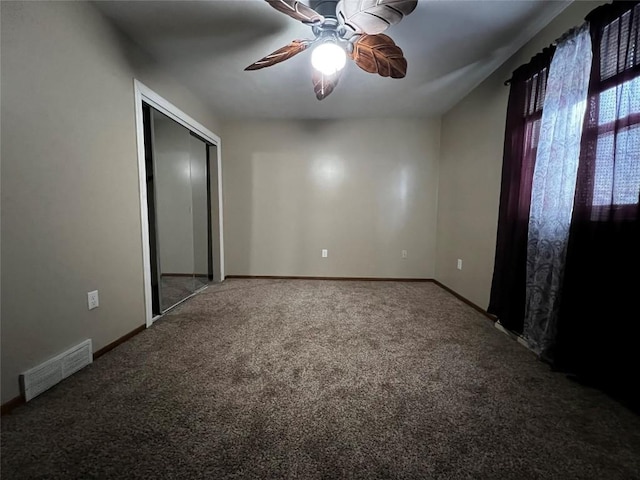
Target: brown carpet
321,379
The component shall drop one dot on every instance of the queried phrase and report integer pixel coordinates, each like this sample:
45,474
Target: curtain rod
563,37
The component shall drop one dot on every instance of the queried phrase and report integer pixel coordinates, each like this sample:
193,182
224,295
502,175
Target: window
536,88
612,128
617,173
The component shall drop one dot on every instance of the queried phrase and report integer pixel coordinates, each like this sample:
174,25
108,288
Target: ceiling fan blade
379,54
323,84
280,55
298,10
373,16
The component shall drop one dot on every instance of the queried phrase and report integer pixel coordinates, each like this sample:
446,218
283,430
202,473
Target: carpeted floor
321,379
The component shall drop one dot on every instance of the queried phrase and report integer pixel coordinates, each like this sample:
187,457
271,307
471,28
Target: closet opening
181,206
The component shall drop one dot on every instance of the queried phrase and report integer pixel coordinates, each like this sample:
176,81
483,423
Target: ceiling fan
341,28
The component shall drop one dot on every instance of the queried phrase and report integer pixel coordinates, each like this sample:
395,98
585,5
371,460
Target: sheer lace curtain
553,189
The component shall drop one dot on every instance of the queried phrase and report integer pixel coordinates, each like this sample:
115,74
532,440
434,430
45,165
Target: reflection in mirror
179,208
200,212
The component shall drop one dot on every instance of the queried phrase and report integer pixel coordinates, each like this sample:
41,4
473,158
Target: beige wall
470,170
70,208
363,189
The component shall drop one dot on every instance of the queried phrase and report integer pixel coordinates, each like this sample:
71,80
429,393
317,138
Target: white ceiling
450,46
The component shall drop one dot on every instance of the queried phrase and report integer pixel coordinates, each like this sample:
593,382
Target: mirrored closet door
179,209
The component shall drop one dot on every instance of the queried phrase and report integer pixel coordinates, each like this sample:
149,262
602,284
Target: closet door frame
142,93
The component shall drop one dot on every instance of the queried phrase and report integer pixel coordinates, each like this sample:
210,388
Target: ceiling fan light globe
328,58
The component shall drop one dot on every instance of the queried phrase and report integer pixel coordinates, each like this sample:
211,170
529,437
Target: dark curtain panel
524,115
599,323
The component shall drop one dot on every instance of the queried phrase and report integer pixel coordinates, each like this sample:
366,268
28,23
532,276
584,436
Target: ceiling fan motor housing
326,8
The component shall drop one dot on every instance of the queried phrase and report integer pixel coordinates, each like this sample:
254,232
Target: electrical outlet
459,264
404,254
93,300
325,253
